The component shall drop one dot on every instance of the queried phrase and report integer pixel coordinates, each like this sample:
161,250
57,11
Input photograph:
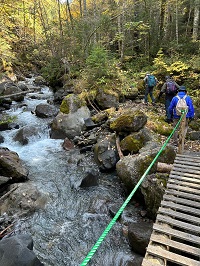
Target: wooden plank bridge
175,239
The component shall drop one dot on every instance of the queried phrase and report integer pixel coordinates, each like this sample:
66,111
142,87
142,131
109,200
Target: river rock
128,121
24,134
46,110
139,235
105,153
69,125
18,251
107,99
25,199
11,165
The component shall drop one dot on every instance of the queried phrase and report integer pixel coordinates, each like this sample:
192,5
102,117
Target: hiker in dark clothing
170,88
150,82
182,93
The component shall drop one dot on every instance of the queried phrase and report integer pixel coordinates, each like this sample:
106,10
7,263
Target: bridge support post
182,135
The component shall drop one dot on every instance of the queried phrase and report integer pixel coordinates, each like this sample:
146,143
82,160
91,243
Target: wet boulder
24,199
11,165
105,153
46,110
24,134
139,235
69,125
129,121
18,251
153,189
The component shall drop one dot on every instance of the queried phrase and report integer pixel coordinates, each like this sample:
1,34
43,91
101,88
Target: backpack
151,81
181,105
170,87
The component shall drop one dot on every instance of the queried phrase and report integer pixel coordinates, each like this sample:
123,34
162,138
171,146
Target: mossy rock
71,103
131,121
132,143
160,127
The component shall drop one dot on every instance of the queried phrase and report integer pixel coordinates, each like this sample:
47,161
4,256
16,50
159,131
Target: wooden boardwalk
175,239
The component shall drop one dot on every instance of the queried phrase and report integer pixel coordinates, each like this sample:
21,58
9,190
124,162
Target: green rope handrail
112,222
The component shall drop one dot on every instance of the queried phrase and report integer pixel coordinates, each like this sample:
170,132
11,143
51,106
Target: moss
124,121
71,103
64,107
132,143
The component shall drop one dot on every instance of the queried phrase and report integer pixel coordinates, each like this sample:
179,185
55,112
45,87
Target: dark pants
149,90
168,99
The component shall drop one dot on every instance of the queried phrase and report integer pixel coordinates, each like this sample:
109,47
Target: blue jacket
172,106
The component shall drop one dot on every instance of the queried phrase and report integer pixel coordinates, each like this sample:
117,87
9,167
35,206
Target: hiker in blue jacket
172,109
170,88
150,82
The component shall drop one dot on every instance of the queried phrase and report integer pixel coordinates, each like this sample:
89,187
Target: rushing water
73,218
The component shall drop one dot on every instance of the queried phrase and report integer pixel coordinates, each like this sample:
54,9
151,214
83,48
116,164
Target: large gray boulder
18,251
69,125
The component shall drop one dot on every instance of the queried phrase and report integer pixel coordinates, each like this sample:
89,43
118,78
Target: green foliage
53,72
97,63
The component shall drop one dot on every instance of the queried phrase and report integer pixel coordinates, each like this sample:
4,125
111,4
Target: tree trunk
196,20
177,35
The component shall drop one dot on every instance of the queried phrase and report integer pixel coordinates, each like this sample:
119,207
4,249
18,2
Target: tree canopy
139,34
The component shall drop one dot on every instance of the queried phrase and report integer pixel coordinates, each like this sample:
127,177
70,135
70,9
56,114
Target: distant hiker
150,82
170,88
175,112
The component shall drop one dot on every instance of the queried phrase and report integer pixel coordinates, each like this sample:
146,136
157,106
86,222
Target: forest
110,43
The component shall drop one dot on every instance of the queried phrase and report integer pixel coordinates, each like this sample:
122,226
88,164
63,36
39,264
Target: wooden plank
174,222
182,188
186,170
187,162
181,200
188,158
180,207
146,262
182,194
164,254
183,178
173,244
163,229
184,174
183,183
186,167
179,215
